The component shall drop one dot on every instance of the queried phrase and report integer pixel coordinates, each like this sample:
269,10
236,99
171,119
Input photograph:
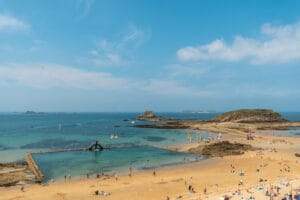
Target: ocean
21,133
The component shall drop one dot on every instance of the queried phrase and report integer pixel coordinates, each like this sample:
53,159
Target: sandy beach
149,100
274,165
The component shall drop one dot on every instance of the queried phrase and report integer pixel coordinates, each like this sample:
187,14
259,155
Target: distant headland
30,112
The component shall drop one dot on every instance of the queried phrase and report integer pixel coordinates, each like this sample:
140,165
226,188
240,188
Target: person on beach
241,182
69,177
154,173
205,190
191,189
130,172
22,188
267,192
65,177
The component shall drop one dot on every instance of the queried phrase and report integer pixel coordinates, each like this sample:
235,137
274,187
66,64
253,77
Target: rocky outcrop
223,148
12,174
169,125
249,116
148,115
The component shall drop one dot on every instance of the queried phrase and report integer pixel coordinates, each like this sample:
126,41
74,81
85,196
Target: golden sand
273,166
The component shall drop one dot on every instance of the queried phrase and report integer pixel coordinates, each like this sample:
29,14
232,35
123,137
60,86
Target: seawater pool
56,165
291,132
20,133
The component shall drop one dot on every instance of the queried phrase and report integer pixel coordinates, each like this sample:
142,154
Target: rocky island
148,115
249,116
235,125
238,121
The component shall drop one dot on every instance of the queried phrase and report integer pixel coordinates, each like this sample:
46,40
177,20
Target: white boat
114,136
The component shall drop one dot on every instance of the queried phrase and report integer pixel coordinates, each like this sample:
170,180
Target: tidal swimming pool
78,164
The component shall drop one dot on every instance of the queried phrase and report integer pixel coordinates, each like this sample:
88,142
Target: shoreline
277,153
200,174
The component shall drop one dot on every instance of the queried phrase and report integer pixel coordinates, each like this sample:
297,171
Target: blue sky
108,55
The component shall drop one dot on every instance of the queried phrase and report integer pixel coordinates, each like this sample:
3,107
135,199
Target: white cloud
278,44
53,75
47,75
121,52
8,22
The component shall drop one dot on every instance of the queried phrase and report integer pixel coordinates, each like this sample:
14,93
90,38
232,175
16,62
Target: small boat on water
114,136
133,122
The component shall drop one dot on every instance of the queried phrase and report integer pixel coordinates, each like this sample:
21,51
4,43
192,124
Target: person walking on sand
154,173
241,182
69,177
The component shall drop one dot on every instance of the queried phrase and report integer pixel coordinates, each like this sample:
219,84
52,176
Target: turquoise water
57,165
21,133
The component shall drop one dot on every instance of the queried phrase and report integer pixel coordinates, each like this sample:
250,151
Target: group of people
191,189
200,138
67,177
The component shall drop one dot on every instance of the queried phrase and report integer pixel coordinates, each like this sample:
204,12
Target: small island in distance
30,112
237,120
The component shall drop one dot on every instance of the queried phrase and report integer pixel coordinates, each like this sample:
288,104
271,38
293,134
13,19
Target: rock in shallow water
154,138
